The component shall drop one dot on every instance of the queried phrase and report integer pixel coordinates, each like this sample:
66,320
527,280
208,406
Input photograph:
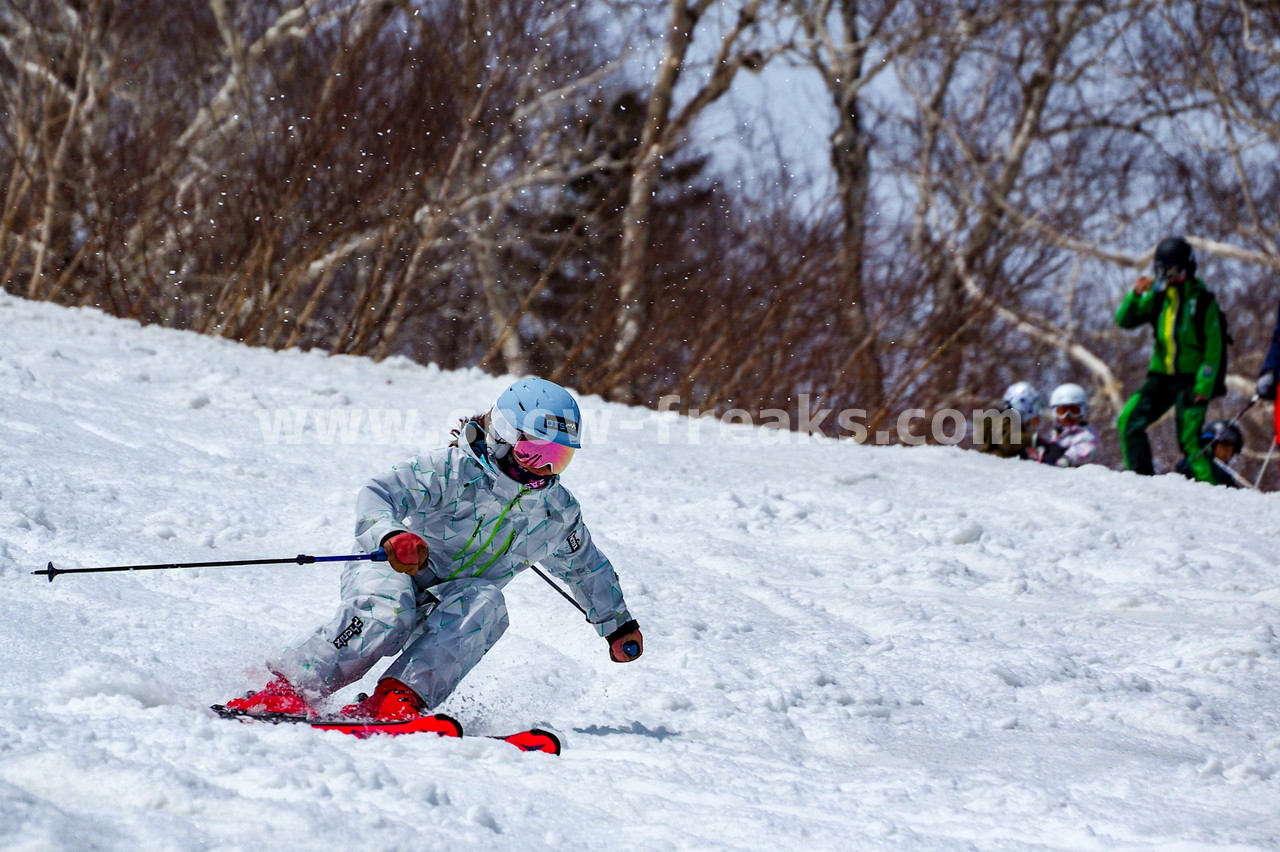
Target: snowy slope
847,647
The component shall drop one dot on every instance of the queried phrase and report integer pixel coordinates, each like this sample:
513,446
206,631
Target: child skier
1012,434
457,525
1220,442
1072,441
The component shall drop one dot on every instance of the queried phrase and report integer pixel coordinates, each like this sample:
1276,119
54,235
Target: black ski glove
1053,453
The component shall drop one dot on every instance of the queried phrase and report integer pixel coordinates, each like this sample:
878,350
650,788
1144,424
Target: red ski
445,726
534,739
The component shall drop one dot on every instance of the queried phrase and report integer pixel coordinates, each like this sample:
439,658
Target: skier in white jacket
1072,441
457,525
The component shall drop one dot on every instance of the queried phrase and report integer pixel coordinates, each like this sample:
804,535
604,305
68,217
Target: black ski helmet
1217,431
1174,253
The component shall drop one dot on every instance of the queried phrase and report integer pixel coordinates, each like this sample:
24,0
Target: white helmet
1024,399
1070,394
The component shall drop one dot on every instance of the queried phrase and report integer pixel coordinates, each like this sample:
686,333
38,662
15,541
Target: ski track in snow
846,647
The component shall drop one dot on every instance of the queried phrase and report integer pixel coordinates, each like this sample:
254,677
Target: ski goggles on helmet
541,457
1068,410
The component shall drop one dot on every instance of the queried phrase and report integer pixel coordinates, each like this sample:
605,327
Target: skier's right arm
1138,306
386,501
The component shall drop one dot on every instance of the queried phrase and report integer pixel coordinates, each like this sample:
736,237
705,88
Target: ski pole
1236,477
378,555
629,648
552,583
1262,471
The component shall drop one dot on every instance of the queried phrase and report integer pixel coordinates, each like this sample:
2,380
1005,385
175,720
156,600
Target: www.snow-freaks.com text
669,424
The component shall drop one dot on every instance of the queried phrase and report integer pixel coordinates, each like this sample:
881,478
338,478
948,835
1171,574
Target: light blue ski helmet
537,408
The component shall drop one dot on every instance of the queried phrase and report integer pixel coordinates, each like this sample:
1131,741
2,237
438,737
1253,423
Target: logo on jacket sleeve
575,542
354,629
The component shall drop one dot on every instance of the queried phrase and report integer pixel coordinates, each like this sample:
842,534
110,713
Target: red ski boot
391,701
278,698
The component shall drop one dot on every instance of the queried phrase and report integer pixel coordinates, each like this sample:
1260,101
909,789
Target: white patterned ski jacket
478,522
1078,443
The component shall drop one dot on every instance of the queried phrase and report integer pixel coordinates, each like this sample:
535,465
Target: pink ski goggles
542,457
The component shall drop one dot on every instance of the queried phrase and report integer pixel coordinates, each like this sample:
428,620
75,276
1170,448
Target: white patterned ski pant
384,613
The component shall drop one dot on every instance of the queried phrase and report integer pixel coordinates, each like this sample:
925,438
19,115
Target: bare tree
488,183
284,173
839,38
664,129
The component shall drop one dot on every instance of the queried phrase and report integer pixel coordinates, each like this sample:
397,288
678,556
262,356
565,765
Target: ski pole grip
631,649
379,555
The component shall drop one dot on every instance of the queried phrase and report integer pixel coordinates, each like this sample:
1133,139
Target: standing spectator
1072,441
1186,368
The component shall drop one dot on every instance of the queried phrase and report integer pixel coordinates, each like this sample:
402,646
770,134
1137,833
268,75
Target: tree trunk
850,157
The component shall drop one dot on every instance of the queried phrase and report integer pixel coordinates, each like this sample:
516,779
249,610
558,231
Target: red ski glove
625,643
406,552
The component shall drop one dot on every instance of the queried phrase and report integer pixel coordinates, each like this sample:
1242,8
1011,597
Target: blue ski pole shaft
378,555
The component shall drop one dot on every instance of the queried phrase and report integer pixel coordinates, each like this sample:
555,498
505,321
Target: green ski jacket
1189,338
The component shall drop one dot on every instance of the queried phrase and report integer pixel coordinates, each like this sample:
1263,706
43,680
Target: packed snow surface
847,647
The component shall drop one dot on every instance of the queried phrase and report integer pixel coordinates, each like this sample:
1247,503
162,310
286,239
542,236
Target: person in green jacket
1186,361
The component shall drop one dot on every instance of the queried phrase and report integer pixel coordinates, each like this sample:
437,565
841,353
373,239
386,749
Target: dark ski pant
1148,405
